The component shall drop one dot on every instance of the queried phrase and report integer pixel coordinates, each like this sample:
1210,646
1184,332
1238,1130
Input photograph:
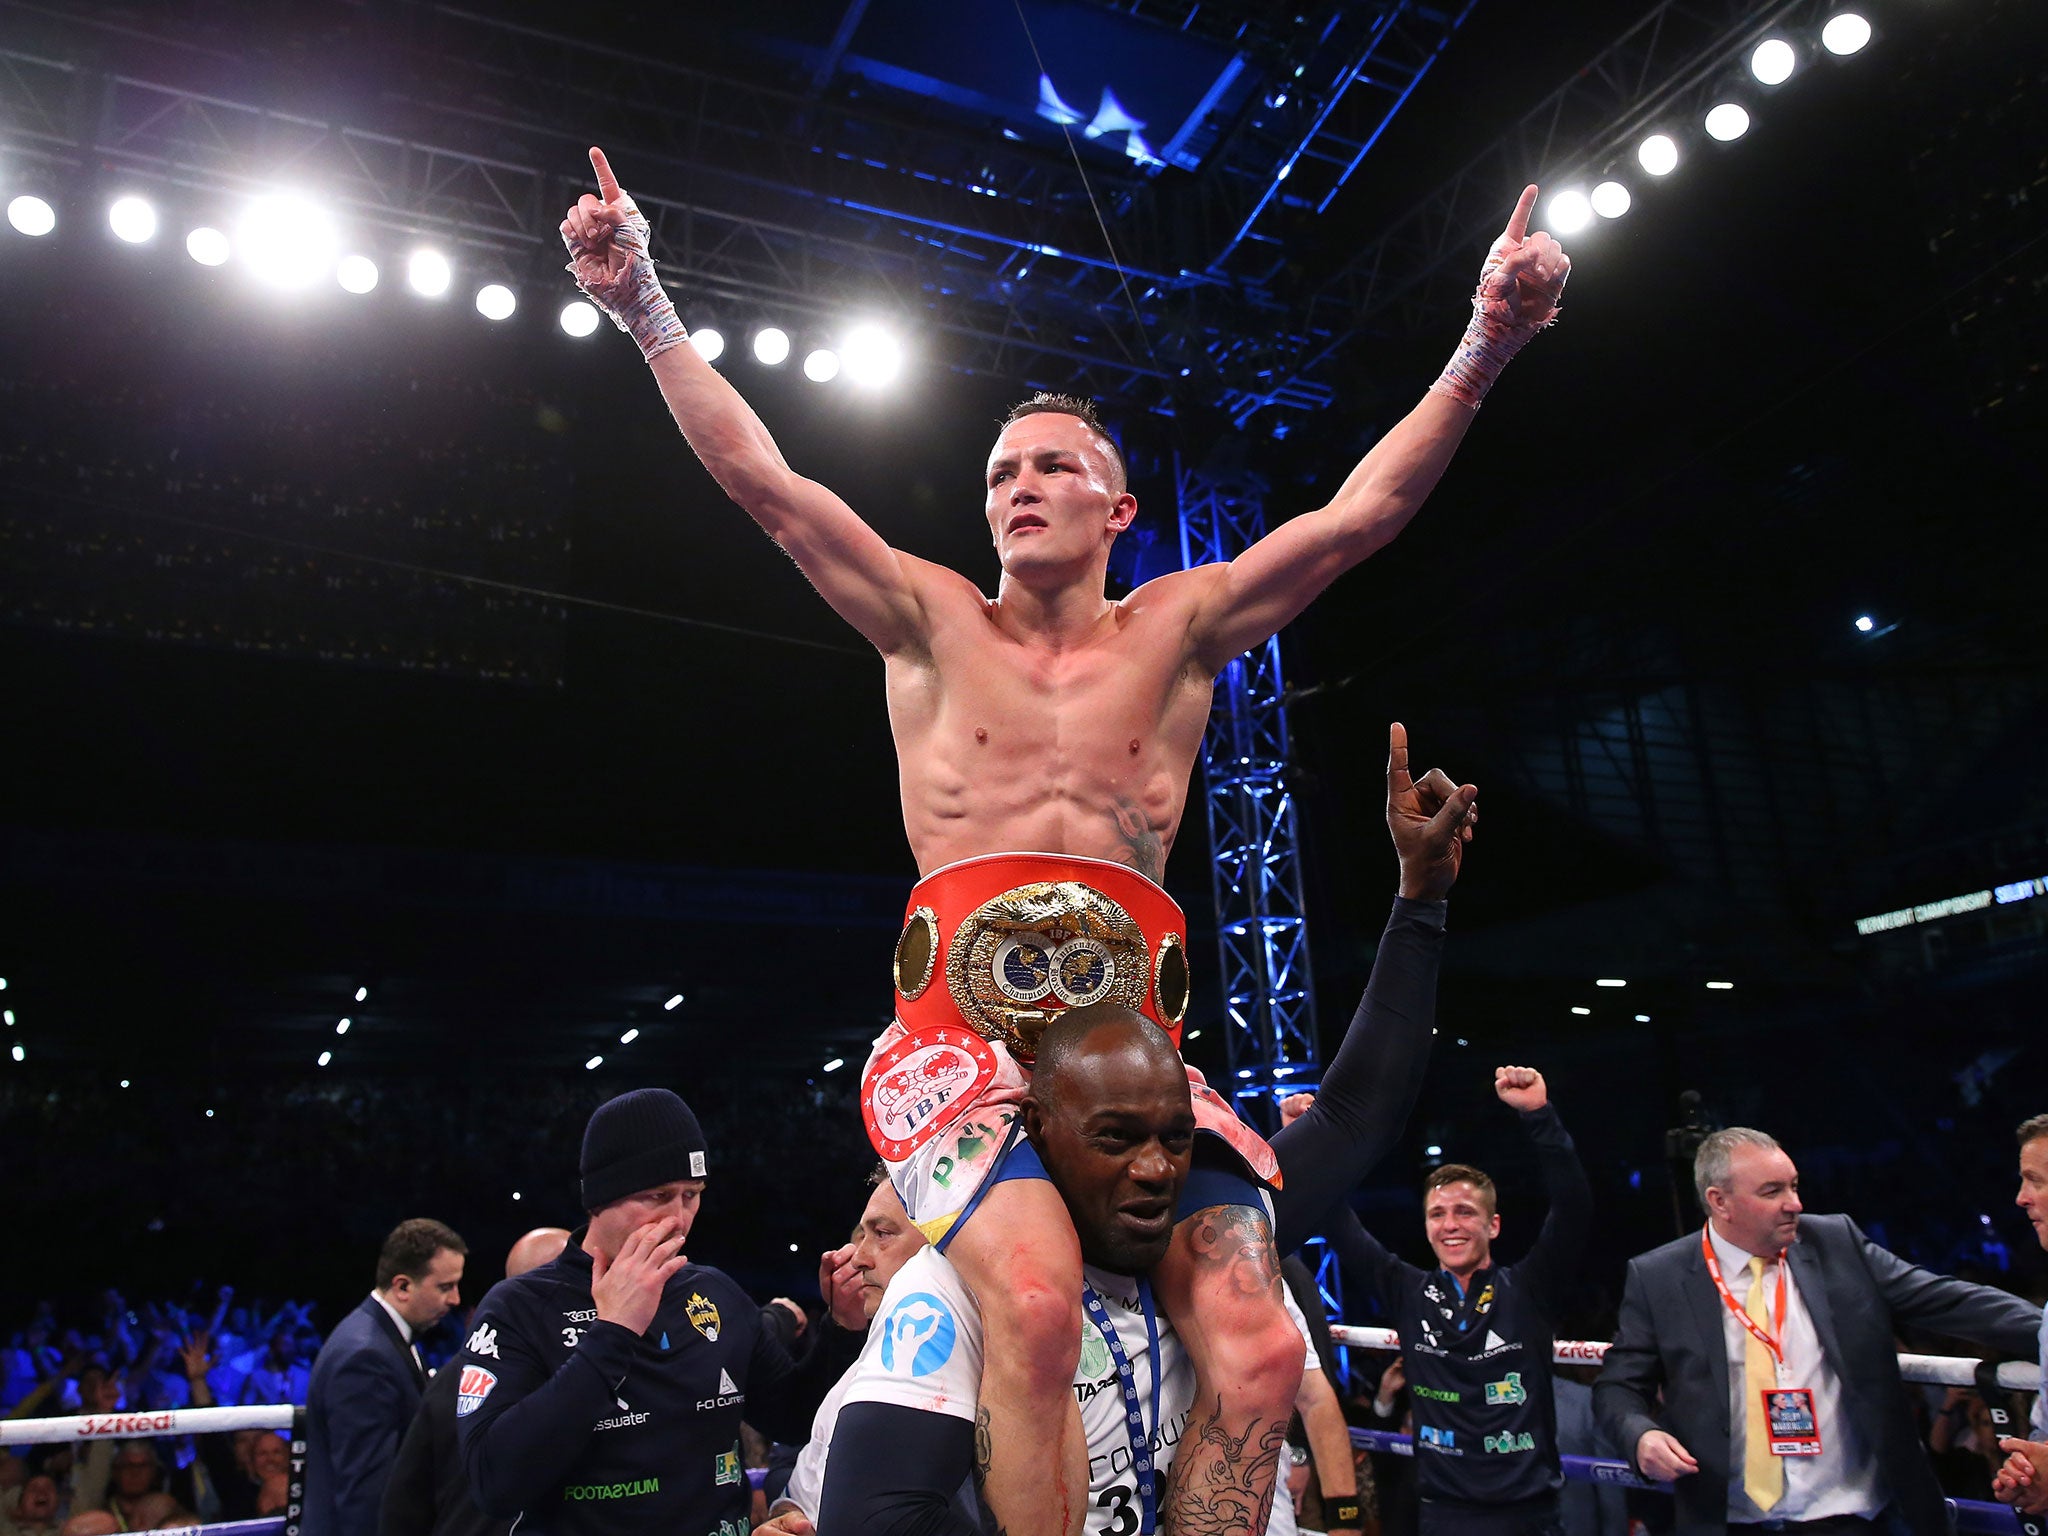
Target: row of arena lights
290,244
1771,63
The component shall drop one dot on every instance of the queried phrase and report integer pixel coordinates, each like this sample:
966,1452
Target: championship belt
1005,942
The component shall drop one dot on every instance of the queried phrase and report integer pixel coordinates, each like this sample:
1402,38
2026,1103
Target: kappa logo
472,1389
484,1341
1506,1393
703,1315
918,1335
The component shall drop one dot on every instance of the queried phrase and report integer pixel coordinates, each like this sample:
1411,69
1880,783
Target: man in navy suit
1771,1337
368,1378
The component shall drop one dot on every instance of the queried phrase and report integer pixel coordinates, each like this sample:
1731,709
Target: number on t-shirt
1120,1501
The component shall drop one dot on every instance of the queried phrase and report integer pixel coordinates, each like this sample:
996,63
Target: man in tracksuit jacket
1477,1339
603,1392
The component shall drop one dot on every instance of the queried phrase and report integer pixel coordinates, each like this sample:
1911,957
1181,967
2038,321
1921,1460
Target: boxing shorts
993,949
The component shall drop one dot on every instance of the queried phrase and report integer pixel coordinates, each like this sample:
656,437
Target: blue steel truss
1270,1041
1255,867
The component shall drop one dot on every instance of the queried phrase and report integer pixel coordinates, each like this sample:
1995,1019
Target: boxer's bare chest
1008,744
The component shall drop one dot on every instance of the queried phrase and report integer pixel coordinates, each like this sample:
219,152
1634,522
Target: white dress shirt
404,1329
2041,1397
1843,1479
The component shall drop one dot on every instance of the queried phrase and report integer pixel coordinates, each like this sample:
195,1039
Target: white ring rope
1938,1370
138,1426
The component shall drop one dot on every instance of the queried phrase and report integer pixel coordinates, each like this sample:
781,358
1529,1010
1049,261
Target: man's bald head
543,1245
1075,1041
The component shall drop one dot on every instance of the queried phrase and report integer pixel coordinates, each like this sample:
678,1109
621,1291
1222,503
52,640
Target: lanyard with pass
1774,1341
1134,1415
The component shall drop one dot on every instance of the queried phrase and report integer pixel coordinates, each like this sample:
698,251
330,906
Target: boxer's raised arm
867,583
1260,592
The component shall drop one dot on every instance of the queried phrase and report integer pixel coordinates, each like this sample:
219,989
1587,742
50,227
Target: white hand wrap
1496,331
635,299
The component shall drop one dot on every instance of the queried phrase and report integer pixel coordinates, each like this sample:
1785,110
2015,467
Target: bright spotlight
771,345
1570,212
362,994
822,366
326,1057
207,246
132,219
1865,624
1610,981
1658,154
358,274
710,343
1727,122
494,301
1773,61
834,1064
673,1003
871,355
1582,1012
1845,34
22,1055
31,215
1642,1018
1610,200
342,1027
427,273
286,241
1720,986
579,318
593,1064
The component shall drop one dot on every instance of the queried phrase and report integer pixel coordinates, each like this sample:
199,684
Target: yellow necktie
1763,1475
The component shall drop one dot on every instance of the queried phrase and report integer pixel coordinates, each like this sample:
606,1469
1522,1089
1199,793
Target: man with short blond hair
1796,1417
1476,1338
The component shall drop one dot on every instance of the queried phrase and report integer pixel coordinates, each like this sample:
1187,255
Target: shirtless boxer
1051,719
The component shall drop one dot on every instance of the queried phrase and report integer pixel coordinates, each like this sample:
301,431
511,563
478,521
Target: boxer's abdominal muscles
1006,748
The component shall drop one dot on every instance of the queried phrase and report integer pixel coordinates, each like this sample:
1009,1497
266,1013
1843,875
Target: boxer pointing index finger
1518,221
1398,782
608,184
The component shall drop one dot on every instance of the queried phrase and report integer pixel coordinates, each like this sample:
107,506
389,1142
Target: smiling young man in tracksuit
1477,1339
603,1392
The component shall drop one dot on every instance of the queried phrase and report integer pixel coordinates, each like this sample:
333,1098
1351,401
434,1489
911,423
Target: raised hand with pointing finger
1432,820
1519,286
607,240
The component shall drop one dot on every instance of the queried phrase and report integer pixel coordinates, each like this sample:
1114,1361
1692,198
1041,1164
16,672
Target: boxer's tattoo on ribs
1214,1487
1148,850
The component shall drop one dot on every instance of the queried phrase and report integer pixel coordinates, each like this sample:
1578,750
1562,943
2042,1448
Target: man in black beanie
603,1392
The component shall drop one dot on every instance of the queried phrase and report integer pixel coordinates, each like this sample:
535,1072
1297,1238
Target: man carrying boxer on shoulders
1045,739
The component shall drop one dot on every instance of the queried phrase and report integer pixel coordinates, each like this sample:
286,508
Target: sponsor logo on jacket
579,1492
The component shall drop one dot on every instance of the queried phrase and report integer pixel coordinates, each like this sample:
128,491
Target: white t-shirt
924,1351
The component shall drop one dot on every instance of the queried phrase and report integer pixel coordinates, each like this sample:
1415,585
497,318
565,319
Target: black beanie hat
636,1141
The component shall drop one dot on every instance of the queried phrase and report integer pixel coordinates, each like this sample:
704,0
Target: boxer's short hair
1047,403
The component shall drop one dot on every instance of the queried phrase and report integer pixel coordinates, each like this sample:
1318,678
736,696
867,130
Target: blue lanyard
1134,1416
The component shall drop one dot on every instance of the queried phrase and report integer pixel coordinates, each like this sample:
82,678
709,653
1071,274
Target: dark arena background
409,747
